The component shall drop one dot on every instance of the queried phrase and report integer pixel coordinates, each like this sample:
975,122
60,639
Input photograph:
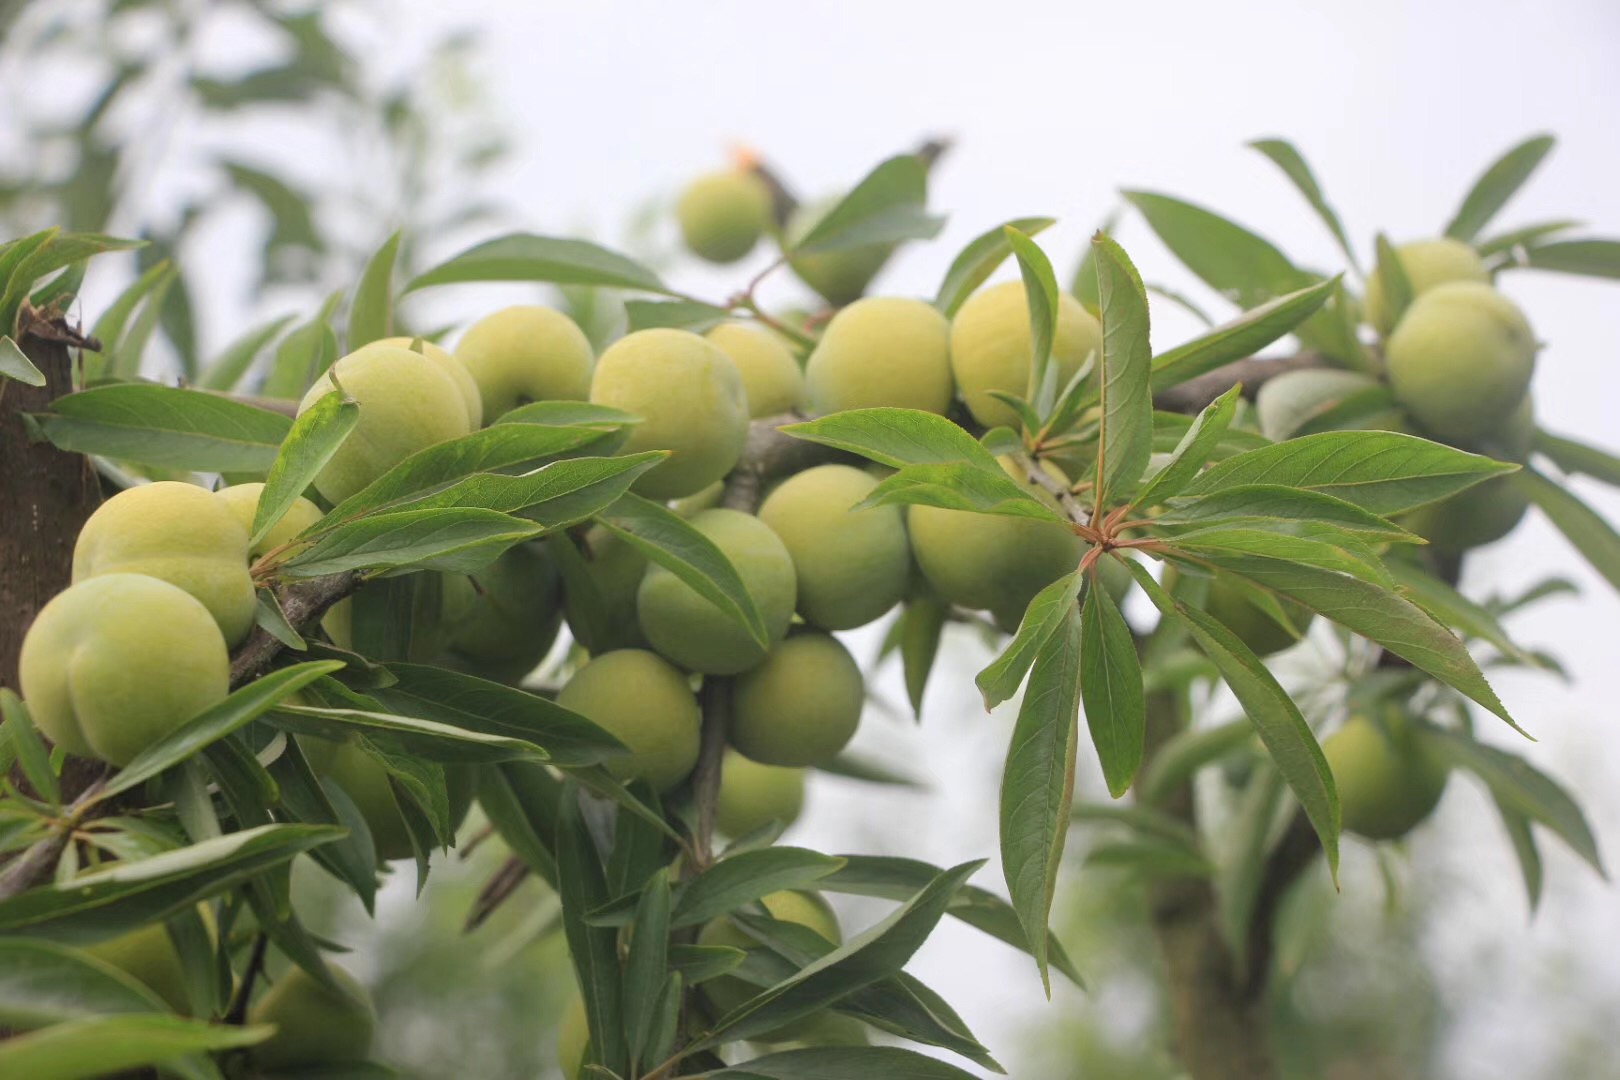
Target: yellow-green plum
1426,263
772,379
366,784
728,991
1480,515
407,404
691,402
852,565
315,1025
114,664
990,561
722,215
573,1038
181,534
991,350
752,795
148,956
243,501
1388,780
1231,607
647,704
840,276
503,619
885,350
690,629
471,396
801,706
1460,361
526,353
613,570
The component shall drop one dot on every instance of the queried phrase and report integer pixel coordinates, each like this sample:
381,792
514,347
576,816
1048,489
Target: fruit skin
148,956
315,1025
690,400
722,215
1259,631
243,501
407,404
1480,515
645,702
840,277
852,565
526,353
772,380
991,348
691,630
503,619
991,561
181,534
471,396
1461,360
1427,263
728,991
801,706
752,794
366,783
615,569
882,351
573,1038
1388,780
113,664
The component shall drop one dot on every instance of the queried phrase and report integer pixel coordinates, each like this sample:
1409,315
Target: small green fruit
752,795
1229,606
465,383
841,276
882,351
573,1038
503,619
526,353
614,569
1387,778
771,378
722,215
1480,515
366,784
991,350
243,501
315,1025
148,956
647,704
1427,263
801,706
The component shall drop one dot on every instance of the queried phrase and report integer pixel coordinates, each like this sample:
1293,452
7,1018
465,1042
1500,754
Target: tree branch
303,603
1195,395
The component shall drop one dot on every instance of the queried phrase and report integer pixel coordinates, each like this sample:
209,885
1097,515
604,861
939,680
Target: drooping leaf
1496,186
1242,337
1047,613
1286,157
521,800
14,364
32,757
1041,296
314,437
1194,450
460,539
647,965
960,485
165,427
110,328
371,315
103,1045
1111,688
1579,458
890,204
975,263
593,949
1125,438
896,437
526,257
1525,850
920,626
352,859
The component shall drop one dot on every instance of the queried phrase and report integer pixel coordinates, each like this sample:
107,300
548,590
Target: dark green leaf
854,767
427,739
1308,543
888,205
521,800
742,878
462,539
371,315
1498,184
105,1045
975,263
1274,504
315,436
526,257
700,963
1049,611
1041,295
1524,850
594,950
353,859
44,983
1292,163
556,495
32,756
1194,450
1111,688
844,1063
920,626
1242,337
647,965
165,427
1455,610
896,437
1125,438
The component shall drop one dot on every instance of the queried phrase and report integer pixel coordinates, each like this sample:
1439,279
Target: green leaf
1038,782
304,354
585,414
124,357
975,263
1125,437
1041,294
1194,450
1242,337
1453,609
920,626
1381,471
1225,256
1111,688
841,1062
521,801
430,740
43,983
1308,543
526,257
647,965
1588,258
556,495
1238,880
700,963
32,756
747,876
1498,184
1145,821
351,860
462,539
109,328
371,315
594,950
1593,537
1504,243
14,364
165,427
44,253
960,486
1283,154
1083,285
1392,279
857,767
101,1046
1579,458
1524,850
314,437
888,205
896,437
231,365
671,542
690,315
1273,504
1048,612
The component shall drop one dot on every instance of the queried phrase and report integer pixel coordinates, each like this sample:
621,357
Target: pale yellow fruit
1427,263
722,215
991,348
315,1026
1388,780
771,378
181,534
691,403
471,396
752,795
573,1038
407,404
366,783
801,706
526,353
882,351
647,704
243,500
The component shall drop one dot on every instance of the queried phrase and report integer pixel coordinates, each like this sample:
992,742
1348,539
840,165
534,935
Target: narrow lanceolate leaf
1455,610
371,315
1227,257
582,887
1575,457
679,314
975,263
1498,184
743,878
14,364
353,859
1274,504
671,542
1310,543
463,539
521,801
32,757
920,626
1519,785
1083,285
896,437
526,257
1041,296
1047,613
307,351
1286,735
1246,841
1525,850
888,205
108,1045
1111,687
165,427
1194,450
1588,258
1037,784
1513,243
1593,537
1242,337
429,740
1125,437
44,983
228,368
1293,164
211,725
841,1062
315,436
647,965
1392,278
1381,471
960,486
556,495
114,327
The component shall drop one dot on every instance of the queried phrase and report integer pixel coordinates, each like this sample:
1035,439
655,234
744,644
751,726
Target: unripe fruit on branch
1480,515
722,215
991,348
315,1025
1388,780
148,956
180,533
1230,606
116,663
613,569
690,400
243,502
752,795
771,377
466,385
648,705
728,991
689,629
801,706
366,784
407,403
1426,263
502,620
525,353
839,276
882,351
852,565
1460,361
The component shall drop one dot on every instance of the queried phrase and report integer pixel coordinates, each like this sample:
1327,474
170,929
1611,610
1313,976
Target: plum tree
690,400
728,991
525,353
243,501
772,379
1426,264
366,784
502,619
991,350
752,795
471,395
839,276
648,705
407,403
1387,777
801,706
882,351
180,533
690,629
115,663
1231,606
723,215
316,1025
852,565
1460,361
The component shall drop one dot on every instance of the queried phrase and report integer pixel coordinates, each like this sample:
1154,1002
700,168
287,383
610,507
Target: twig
715,698
237,1013
303,603
38,862
501,885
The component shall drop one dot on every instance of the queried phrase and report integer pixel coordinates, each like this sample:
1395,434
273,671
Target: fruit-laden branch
303,603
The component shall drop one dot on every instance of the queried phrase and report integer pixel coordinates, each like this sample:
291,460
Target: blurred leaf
1526,237
1125,435
1237,882
1181,300
59,292
680,314
43,983
32,258
594,950
460,539
371,315
1498,184
854,767
100,1046
975,263
526,257
303,355
1579,458
14,364
1040,294
291,211
165,427
1242,337
109,328
1225,256
309,444
844,1063
700,963
960,485
1049,611
1455,610
524,814
1083,286
1593,537
1111,688
646,966
888,205
1193,452
32,757
920,626
1397,287
1284,155
1272,505
896,437
231,365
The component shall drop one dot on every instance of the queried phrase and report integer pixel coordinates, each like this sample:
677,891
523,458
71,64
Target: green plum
772,379
801,706
1388,779
648,705
315,1025
752,795
882,351
525,353
1426,263
991,350
723,215
243,500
